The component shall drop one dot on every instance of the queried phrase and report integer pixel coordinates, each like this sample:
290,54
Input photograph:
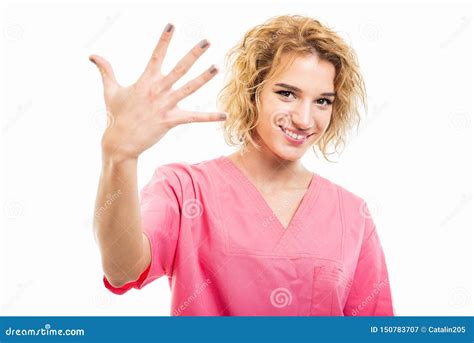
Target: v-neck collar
260,201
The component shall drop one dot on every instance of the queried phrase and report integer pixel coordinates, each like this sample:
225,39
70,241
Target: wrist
117,159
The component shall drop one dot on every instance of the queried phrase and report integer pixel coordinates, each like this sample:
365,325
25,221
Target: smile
294,137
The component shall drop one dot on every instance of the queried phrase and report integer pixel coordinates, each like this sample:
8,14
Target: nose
302,116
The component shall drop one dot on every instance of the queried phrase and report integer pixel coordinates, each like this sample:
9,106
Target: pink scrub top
225,253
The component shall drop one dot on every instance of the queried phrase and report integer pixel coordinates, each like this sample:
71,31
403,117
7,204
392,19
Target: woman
253,233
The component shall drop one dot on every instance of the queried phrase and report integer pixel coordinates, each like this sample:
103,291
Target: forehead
307,72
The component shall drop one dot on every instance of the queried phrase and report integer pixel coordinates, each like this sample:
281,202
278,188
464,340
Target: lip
295,141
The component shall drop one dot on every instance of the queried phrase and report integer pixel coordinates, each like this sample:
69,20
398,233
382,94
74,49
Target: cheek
266,116
324,120
265,127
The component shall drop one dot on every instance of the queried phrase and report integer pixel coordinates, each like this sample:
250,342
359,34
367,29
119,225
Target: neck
264,167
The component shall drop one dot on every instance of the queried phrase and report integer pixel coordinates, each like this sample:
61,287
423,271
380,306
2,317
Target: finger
106,71
184,64
186,117
156,60
193,85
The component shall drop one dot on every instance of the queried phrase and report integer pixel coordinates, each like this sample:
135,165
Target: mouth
294,137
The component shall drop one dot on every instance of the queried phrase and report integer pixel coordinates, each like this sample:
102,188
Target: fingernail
223,115
90,59
213,70
168,27
204,43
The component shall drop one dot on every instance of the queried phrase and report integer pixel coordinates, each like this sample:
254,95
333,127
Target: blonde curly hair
256,59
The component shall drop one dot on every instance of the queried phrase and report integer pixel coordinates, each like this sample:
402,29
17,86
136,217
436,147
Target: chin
288,153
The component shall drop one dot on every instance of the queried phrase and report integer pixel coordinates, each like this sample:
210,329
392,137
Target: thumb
106,71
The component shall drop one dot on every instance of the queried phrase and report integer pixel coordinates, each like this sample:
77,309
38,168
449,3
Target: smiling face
295,106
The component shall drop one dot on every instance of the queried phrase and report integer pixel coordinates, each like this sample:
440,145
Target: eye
324,101
285,94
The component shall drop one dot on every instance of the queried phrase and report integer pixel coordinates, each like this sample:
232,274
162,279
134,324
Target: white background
412,158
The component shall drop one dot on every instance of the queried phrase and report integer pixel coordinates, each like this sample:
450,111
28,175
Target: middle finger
184,64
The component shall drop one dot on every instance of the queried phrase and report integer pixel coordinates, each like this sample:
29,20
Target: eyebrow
297,90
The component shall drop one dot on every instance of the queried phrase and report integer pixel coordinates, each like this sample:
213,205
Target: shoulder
345,196
185,174
190,169
355,214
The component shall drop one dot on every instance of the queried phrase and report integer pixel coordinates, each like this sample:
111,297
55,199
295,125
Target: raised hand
142,113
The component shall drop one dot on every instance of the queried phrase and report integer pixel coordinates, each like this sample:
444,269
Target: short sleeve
160,214
370,293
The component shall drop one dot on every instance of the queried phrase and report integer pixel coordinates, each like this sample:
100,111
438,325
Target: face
295,106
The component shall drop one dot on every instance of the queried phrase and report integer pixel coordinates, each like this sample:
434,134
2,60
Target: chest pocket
329,289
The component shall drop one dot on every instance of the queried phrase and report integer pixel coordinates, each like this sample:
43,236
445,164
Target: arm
139,116
125,250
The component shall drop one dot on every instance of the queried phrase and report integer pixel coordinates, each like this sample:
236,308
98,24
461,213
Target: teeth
293,135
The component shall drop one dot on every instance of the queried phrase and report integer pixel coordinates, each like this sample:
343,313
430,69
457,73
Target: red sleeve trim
132,284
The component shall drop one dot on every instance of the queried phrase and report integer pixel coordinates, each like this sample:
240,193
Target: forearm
117,221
